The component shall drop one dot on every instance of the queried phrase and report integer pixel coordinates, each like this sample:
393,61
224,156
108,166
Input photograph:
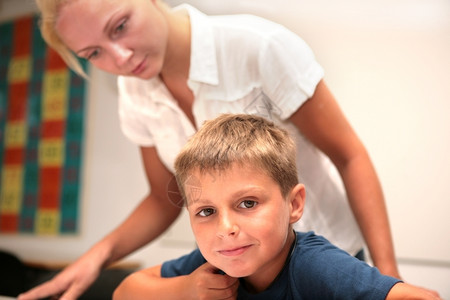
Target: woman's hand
407,291
71,282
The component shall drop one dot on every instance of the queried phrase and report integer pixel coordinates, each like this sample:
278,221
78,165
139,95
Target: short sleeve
327,272
289,70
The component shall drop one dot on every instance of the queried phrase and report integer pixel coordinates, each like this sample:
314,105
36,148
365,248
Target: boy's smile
235,251
242,222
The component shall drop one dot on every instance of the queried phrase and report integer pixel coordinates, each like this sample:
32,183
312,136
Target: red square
13,156
54,61
18,95
9,223
22,37
53,129
50,187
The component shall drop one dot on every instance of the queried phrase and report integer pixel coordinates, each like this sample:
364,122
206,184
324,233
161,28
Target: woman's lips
140,68
234,251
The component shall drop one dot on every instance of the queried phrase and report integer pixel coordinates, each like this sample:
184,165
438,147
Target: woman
178,68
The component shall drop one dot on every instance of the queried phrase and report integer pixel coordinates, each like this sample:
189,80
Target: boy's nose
227,227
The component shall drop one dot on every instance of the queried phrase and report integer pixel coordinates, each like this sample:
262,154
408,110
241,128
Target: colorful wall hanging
41,134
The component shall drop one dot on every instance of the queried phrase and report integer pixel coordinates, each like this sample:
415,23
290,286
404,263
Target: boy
239,180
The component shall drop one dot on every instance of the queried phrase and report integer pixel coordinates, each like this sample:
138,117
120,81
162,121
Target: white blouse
244,64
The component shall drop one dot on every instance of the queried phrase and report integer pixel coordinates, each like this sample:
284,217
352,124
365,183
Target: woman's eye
121,27
92,55
206,212
247,204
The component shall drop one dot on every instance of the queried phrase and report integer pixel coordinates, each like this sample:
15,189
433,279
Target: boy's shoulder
184,265
308,243
317,269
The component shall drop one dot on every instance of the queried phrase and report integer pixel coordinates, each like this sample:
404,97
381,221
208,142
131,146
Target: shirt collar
203,65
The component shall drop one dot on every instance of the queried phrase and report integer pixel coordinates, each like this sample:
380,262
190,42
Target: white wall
387,62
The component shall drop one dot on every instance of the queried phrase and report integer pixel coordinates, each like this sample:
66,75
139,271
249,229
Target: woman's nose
121,54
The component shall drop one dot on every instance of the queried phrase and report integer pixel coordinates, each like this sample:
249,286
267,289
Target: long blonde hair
49,10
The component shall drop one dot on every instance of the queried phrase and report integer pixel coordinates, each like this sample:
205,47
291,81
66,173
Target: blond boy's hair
247,140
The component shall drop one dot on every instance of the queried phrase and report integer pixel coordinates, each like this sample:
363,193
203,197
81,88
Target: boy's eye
247,204
206,212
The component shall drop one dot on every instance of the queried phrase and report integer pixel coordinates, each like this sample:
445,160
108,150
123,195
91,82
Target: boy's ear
297,202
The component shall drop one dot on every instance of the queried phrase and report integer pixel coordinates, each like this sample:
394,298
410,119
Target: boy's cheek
206,248
201,233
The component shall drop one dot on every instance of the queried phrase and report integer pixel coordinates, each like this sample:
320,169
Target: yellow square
19,69
15,134
51,153
47,222
54,109
55,93
56,84
11,193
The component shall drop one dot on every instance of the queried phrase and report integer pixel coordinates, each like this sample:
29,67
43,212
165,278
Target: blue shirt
315,270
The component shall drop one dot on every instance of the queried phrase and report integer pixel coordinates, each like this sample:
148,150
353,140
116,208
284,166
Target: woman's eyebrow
105,31
108,23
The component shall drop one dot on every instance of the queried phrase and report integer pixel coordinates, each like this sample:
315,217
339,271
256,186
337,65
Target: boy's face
241,221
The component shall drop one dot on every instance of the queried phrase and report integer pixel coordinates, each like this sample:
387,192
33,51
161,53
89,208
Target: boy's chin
236,273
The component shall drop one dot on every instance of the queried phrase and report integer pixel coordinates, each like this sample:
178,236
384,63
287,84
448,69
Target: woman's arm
152,217
322,122
203,283
402,291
